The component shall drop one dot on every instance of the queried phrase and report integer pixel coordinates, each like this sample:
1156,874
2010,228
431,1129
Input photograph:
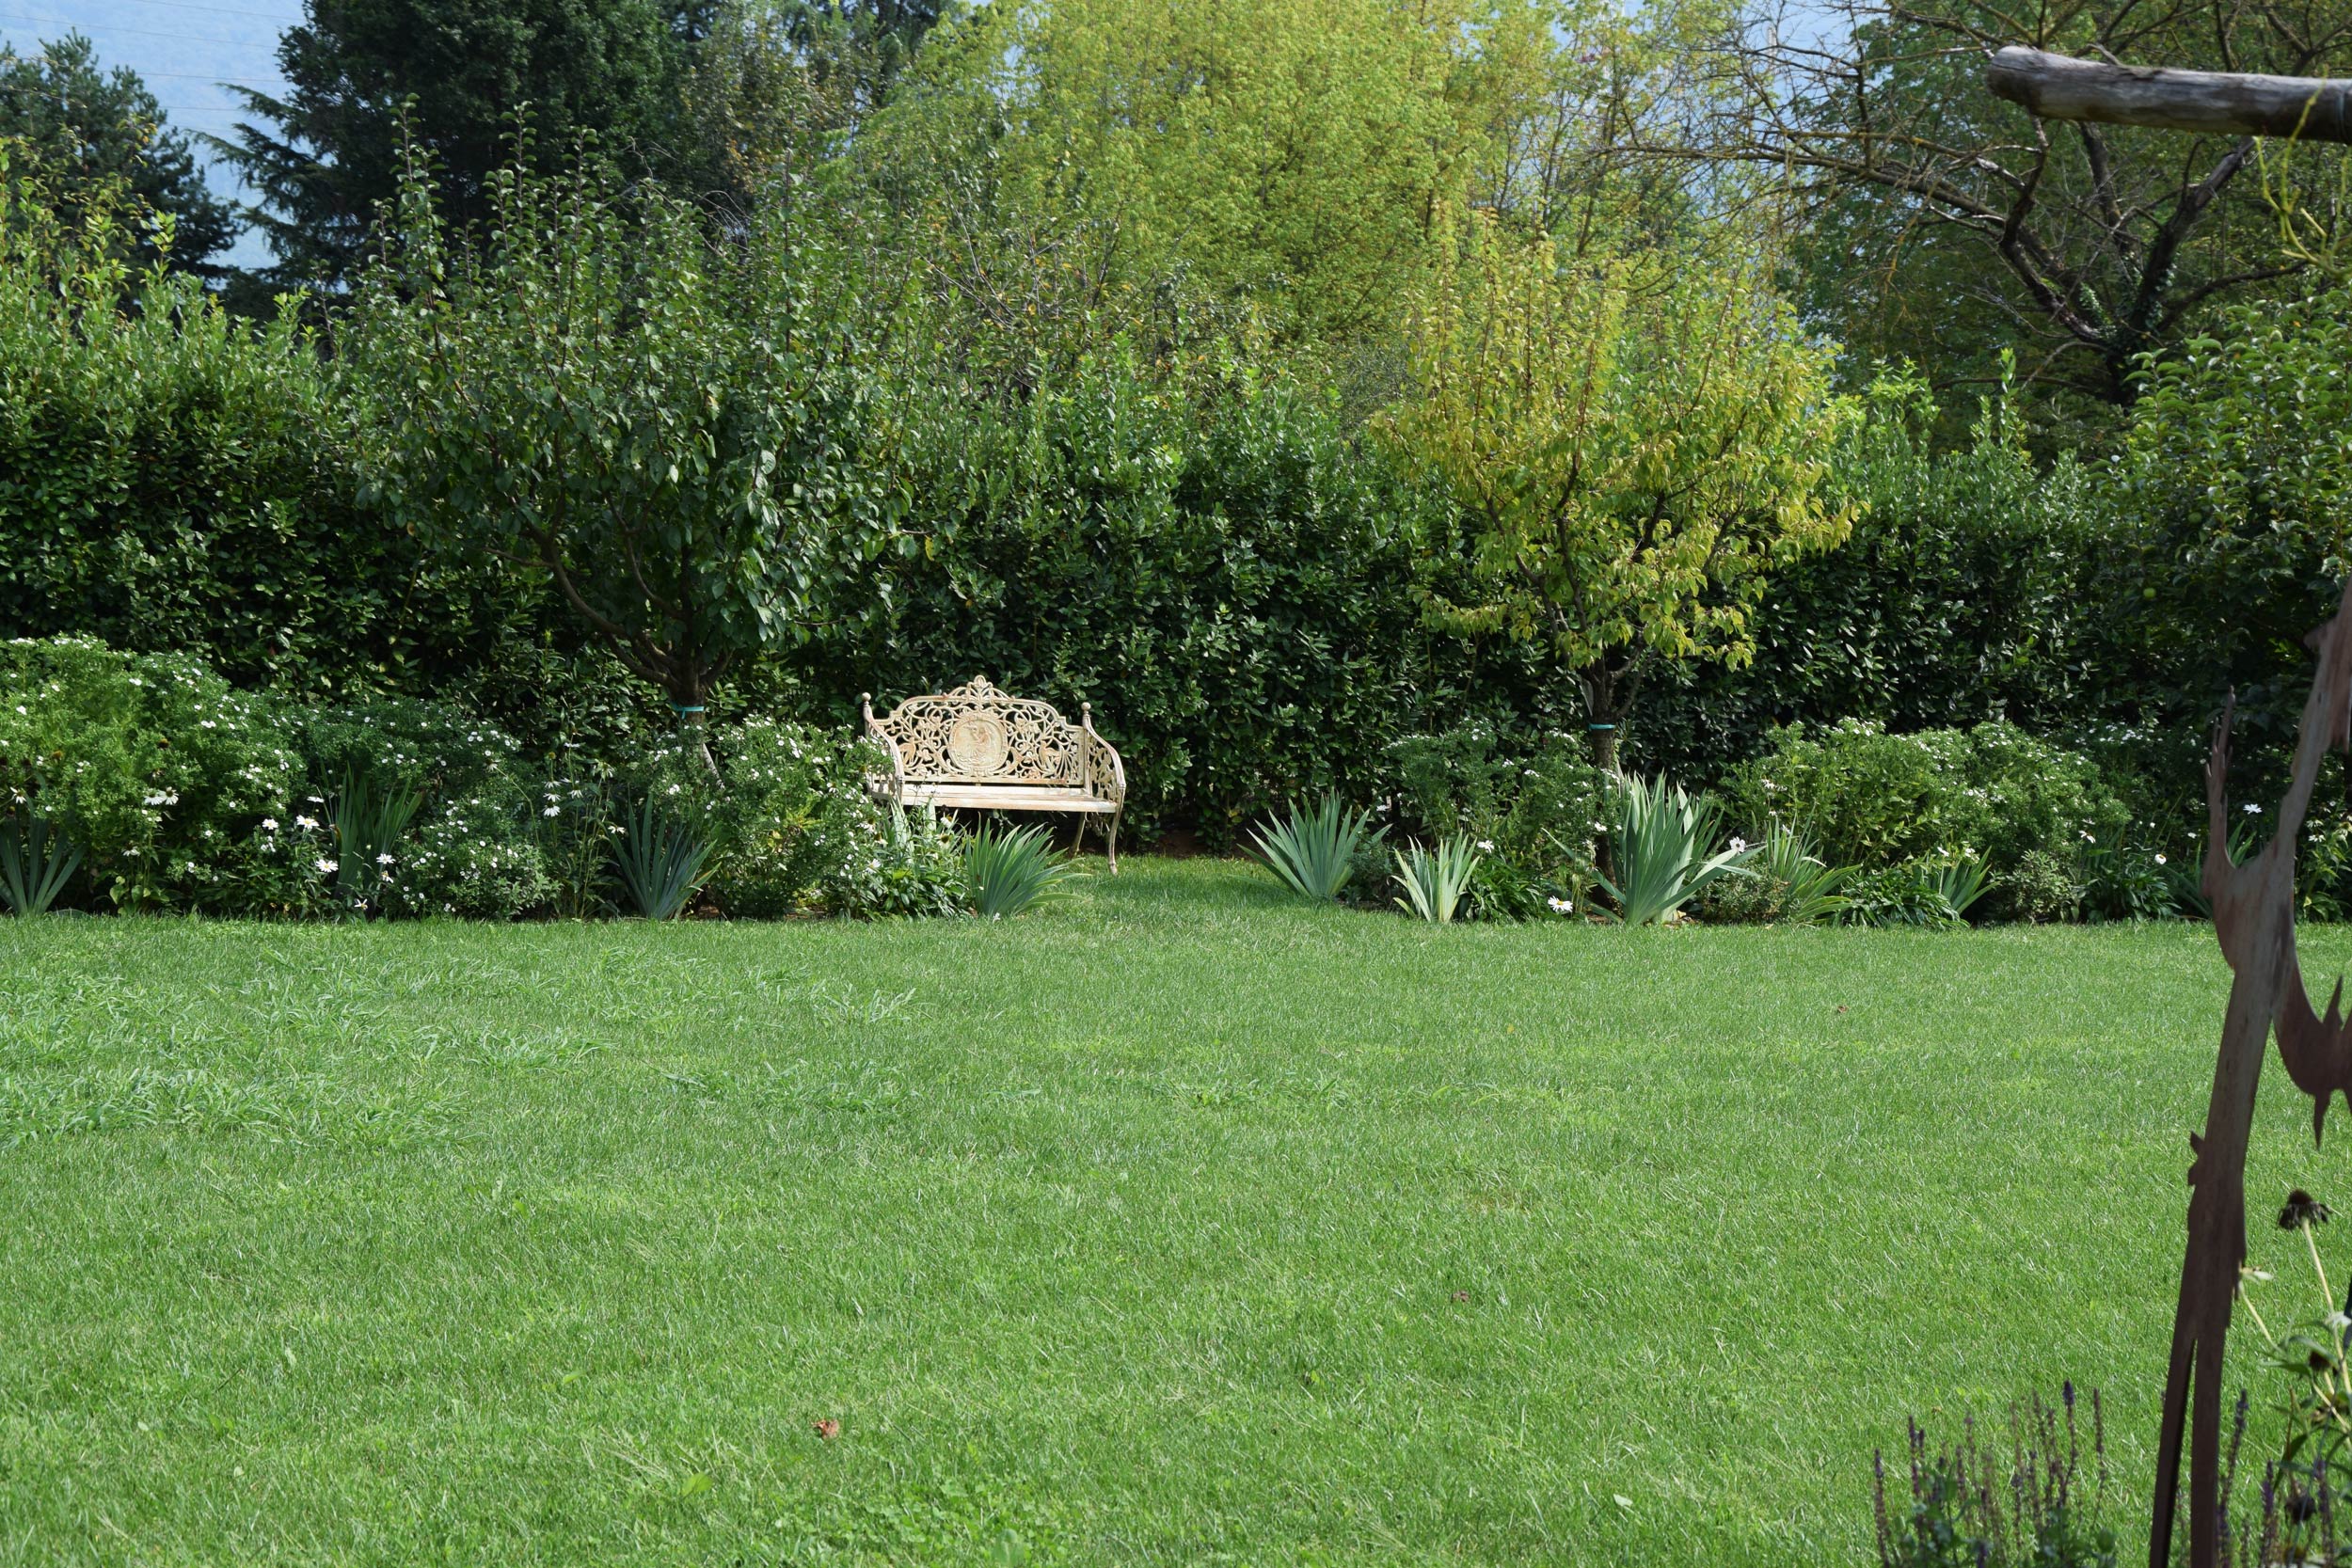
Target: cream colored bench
980,750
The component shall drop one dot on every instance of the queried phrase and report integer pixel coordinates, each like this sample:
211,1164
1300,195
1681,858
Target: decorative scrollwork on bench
978,747
977,735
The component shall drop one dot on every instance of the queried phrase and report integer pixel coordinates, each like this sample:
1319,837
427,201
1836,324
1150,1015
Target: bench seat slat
1005,797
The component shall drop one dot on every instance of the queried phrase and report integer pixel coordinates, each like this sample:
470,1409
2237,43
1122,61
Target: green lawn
1179,1224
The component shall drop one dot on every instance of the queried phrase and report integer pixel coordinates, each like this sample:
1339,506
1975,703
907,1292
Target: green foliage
1661,849
572,826
1007,871
478,849
659,421
432,747
661,858
1934,890
1957,596
1201,550
2045,886
2124,879
37,860
914,865
1866,797
1637,439
773,84
174,480
150,763
2227,540
793,815
1791,885
369,817
1810,885
92,135
1313,852
1436,880
1529,809
364,76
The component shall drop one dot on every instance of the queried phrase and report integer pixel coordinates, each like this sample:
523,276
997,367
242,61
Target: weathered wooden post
2254,904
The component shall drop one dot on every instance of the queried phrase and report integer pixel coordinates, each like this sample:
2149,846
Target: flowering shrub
798,833
785,818
474,849
1529,812
149,762
474,857
902,862
1875,800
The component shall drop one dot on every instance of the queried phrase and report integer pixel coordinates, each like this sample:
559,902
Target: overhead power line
223,10
73,25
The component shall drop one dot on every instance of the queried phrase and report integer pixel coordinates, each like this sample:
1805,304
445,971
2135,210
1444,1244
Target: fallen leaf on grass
828,1428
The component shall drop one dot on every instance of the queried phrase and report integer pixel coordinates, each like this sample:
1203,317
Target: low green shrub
147,762
899,863
1314,851
1930,890
1759,898
35,862
1662,847
1531,811
2122,878
792,815
1874,799
2044,887
474,848
478,856
662,856
793,828
1436,880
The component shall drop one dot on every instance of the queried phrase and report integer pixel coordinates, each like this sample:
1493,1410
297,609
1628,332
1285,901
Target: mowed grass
1179,1224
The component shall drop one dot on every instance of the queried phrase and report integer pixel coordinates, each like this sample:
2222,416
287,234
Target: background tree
1635,442
455,73
773,84
663,427
85,128
1949,225
1252,154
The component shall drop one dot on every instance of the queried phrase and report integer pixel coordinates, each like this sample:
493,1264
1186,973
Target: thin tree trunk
688,692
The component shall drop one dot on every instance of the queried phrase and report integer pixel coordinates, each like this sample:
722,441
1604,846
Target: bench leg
1114,839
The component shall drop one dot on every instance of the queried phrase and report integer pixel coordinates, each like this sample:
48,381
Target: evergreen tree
462,71
82,128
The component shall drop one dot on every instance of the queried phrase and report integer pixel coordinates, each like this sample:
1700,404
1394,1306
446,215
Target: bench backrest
977,735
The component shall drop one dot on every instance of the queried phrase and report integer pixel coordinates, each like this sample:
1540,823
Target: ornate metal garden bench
977,748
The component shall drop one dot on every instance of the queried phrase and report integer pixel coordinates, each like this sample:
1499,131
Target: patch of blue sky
189,53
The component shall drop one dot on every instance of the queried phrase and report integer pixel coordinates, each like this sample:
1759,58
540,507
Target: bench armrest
895,786
1104,769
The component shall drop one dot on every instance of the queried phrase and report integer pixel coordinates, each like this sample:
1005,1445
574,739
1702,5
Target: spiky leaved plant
1313,852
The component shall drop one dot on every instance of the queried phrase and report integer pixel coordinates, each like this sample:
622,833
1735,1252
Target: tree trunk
2209,103
1604,710
687,693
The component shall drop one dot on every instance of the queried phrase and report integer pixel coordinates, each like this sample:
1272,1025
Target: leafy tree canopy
83,129
1288,158
1637,439
328,152
665,427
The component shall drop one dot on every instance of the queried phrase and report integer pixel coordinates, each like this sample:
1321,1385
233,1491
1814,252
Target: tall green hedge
1220,568
171,479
